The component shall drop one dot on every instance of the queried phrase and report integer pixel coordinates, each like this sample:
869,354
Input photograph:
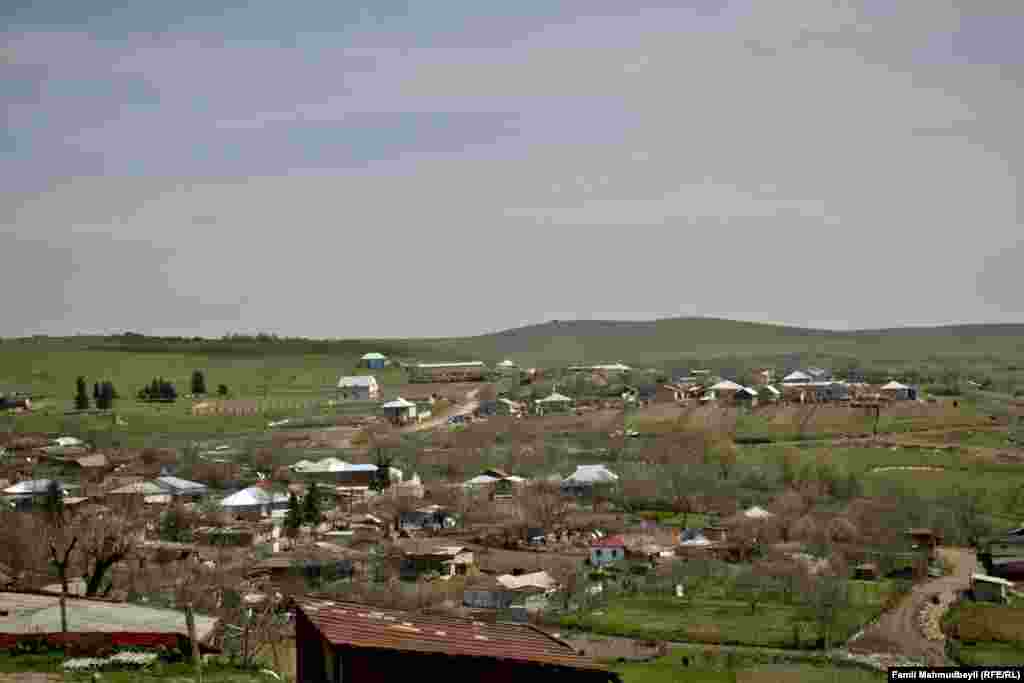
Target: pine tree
106,396
81,395
382,477
198,382
293,519
311,506
96,392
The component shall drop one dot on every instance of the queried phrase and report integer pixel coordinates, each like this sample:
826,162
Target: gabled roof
796,376
373,355
399,403
726,385
894,386
254,495
590,474
555,397
95,460
368,381
541,580
176,484
609,542
357,625
506,364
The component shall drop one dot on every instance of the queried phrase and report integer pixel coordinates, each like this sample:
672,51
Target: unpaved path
899,632
466,408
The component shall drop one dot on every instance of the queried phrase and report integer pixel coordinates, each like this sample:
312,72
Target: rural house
894,391
553,403
459,371
607,550
254,500
373,360
426,557
399,411
587,476
796,377
358,388
339,641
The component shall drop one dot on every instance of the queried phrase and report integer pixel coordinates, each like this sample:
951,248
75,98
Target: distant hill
667,340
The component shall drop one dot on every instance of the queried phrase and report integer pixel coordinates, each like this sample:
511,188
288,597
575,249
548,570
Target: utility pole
190,622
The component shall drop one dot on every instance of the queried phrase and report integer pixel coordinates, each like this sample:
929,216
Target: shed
181,487
607,550
373,360
339,641
587,476
990,588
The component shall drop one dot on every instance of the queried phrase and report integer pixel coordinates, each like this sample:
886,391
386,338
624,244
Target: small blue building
373,360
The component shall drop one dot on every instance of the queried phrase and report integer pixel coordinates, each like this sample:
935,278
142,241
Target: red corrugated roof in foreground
609,542
363,626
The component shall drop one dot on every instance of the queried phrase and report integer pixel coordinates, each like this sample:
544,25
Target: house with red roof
607,550
341,641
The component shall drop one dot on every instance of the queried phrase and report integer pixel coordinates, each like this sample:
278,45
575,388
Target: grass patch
718,622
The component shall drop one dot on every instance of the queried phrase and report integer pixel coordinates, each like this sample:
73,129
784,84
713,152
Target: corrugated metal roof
373,355
362,626
398,403
181,484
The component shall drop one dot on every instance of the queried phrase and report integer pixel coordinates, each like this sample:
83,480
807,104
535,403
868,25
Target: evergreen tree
293,519
198,382
154,389
311,506
81,395
222,390
105,401
96,392
382,477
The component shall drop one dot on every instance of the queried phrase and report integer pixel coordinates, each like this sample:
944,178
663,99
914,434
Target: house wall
367,666
602,556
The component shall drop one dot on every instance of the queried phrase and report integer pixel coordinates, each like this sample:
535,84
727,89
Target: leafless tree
104,541
544,505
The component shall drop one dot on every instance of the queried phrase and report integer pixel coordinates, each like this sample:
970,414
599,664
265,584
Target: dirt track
898,631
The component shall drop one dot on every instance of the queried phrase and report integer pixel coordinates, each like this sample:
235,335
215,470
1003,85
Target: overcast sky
430,168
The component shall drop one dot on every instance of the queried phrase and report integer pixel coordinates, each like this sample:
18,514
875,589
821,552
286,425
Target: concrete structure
553,403
254,500
419,558
339,641
358,388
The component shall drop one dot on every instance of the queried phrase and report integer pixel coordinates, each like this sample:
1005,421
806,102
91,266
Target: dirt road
899,632
466,408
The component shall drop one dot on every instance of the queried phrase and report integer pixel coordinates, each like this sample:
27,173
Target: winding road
898,630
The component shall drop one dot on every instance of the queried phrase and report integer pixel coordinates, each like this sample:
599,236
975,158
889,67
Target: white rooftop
541,580
796,376
507,363
34,486
254,495
894,385
590,474
727,385
357,381
757,512
373,355
399,403
554,397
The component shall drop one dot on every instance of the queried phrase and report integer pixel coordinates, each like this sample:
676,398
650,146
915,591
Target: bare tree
105,541
544,505
61,549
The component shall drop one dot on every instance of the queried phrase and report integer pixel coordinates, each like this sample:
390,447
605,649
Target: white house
400,410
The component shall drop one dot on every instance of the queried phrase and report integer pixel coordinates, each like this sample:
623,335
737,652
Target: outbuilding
373,360
987,588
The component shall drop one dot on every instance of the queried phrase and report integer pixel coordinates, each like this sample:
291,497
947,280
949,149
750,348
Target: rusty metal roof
359,625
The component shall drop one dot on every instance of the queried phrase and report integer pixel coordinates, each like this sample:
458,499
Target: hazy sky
430,168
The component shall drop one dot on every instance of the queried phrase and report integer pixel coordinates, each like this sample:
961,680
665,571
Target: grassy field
671,670
718,622
987,634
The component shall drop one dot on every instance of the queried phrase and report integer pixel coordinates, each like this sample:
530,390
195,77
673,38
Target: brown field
978,622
